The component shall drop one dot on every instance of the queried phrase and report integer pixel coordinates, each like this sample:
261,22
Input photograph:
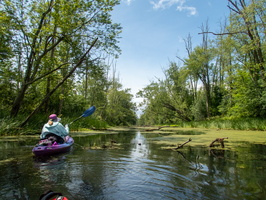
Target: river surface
131,166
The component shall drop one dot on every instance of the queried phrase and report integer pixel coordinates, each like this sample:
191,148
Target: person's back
55,127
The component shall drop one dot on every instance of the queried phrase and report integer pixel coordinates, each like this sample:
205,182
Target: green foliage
7,126
198,109
44,43
5,37
43,40
86,124
120,110
50,35
246,97
167,101
222,77
228,123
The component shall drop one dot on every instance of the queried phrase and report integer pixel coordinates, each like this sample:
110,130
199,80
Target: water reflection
140,175
140,147
48,167
218,153
138,169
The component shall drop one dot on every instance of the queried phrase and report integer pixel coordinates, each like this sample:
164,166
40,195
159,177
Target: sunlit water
134,168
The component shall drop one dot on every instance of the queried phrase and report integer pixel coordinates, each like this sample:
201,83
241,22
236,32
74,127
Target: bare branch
237,10
180,59
181,145
223,33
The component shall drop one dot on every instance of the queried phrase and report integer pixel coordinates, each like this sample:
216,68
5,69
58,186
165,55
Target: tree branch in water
181,145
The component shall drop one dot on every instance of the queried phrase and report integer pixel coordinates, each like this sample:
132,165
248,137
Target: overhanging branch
59,84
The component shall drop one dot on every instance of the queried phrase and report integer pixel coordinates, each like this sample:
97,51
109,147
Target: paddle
86,113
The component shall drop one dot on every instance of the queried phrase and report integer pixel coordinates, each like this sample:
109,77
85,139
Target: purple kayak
51,149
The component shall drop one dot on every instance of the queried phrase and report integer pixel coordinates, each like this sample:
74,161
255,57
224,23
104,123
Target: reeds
8,126
235,124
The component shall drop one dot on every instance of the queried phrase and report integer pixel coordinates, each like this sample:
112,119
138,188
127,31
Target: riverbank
173,136
11,127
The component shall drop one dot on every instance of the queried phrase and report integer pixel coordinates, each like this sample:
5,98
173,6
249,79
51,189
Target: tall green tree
7,73
94,85
167,101
199,63
247,27
120,109
46,29
224,76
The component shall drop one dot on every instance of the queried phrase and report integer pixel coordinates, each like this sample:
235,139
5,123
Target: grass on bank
233,123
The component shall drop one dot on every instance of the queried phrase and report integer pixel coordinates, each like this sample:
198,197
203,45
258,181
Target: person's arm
44,129
67,128
63,130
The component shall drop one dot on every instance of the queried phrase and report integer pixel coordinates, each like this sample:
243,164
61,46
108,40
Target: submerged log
156,129
153,129
181,145
219,140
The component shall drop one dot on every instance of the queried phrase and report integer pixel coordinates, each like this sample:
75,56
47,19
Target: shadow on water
48,160
131,165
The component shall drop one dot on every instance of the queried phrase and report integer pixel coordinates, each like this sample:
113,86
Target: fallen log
181,145
153,129
219,140
156,129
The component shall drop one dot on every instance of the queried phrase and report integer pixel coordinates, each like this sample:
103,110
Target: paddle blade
89,111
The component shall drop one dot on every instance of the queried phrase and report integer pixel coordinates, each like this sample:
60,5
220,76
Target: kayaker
54,127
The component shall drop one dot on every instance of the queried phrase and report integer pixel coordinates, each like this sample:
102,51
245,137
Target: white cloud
162,4
192,10
128,2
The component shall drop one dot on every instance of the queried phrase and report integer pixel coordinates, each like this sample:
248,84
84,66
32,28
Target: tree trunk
59,84
33,62
17,103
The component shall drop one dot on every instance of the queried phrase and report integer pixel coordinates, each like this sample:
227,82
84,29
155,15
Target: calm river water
134,168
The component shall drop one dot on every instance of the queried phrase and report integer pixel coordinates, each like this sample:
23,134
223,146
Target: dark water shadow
48,160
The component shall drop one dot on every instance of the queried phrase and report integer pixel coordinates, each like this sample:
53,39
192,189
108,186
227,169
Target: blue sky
154,32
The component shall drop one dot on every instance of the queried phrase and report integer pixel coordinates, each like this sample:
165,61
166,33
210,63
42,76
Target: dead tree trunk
219,140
